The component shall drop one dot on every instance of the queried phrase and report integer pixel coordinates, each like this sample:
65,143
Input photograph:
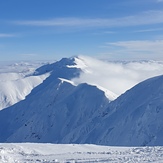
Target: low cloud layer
2,35
116,76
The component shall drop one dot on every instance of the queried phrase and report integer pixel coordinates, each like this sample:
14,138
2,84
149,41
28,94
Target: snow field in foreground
71,153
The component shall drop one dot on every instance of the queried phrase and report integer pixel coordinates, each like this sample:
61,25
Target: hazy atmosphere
49,30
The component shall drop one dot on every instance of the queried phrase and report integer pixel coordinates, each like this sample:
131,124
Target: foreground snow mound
71,153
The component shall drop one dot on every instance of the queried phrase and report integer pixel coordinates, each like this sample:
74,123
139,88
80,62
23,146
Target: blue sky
52,29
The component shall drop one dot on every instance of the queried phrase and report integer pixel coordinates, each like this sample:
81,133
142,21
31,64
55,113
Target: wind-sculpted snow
71,153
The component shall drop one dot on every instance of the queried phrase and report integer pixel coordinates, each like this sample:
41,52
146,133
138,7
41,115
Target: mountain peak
136,118
63,63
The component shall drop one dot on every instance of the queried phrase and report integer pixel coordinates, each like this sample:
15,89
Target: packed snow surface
72,153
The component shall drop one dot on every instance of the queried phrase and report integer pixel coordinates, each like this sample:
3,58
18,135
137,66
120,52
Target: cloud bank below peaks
115,78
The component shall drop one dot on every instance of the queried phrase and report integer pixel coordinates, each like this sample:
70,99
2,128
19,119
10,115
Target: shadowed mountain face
135,118
57,111
53,109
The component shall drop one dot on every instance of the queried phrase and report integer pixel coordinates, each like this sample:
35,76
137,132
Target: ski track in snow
72,153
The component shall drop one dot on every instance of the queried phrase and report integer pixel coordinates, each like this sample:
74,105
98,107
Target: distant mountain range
60,109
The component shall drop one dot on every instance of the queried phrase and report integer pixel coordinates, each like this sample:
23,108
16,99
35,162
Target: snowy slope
134,119
13,90
139,113
53,109
71,153
17,81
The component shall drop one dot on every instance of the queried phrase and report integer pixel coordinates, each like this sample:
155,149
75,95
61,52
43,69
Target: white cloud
28,56
117,76
159,0
145,18
149,30
105,32
136,49
6,35
140,45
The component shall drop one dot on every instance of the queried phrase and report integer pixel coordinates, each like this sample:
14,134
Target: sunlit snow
73,153
17,81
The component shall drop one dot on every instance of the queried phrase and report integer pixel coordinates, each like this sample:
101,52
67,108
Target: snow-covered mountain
53,108
134,119
17,80
62,110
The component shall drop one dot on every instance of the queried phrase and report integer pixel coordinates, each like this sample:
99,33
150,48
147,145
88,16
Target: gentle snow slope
17,81
70,153
14,90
